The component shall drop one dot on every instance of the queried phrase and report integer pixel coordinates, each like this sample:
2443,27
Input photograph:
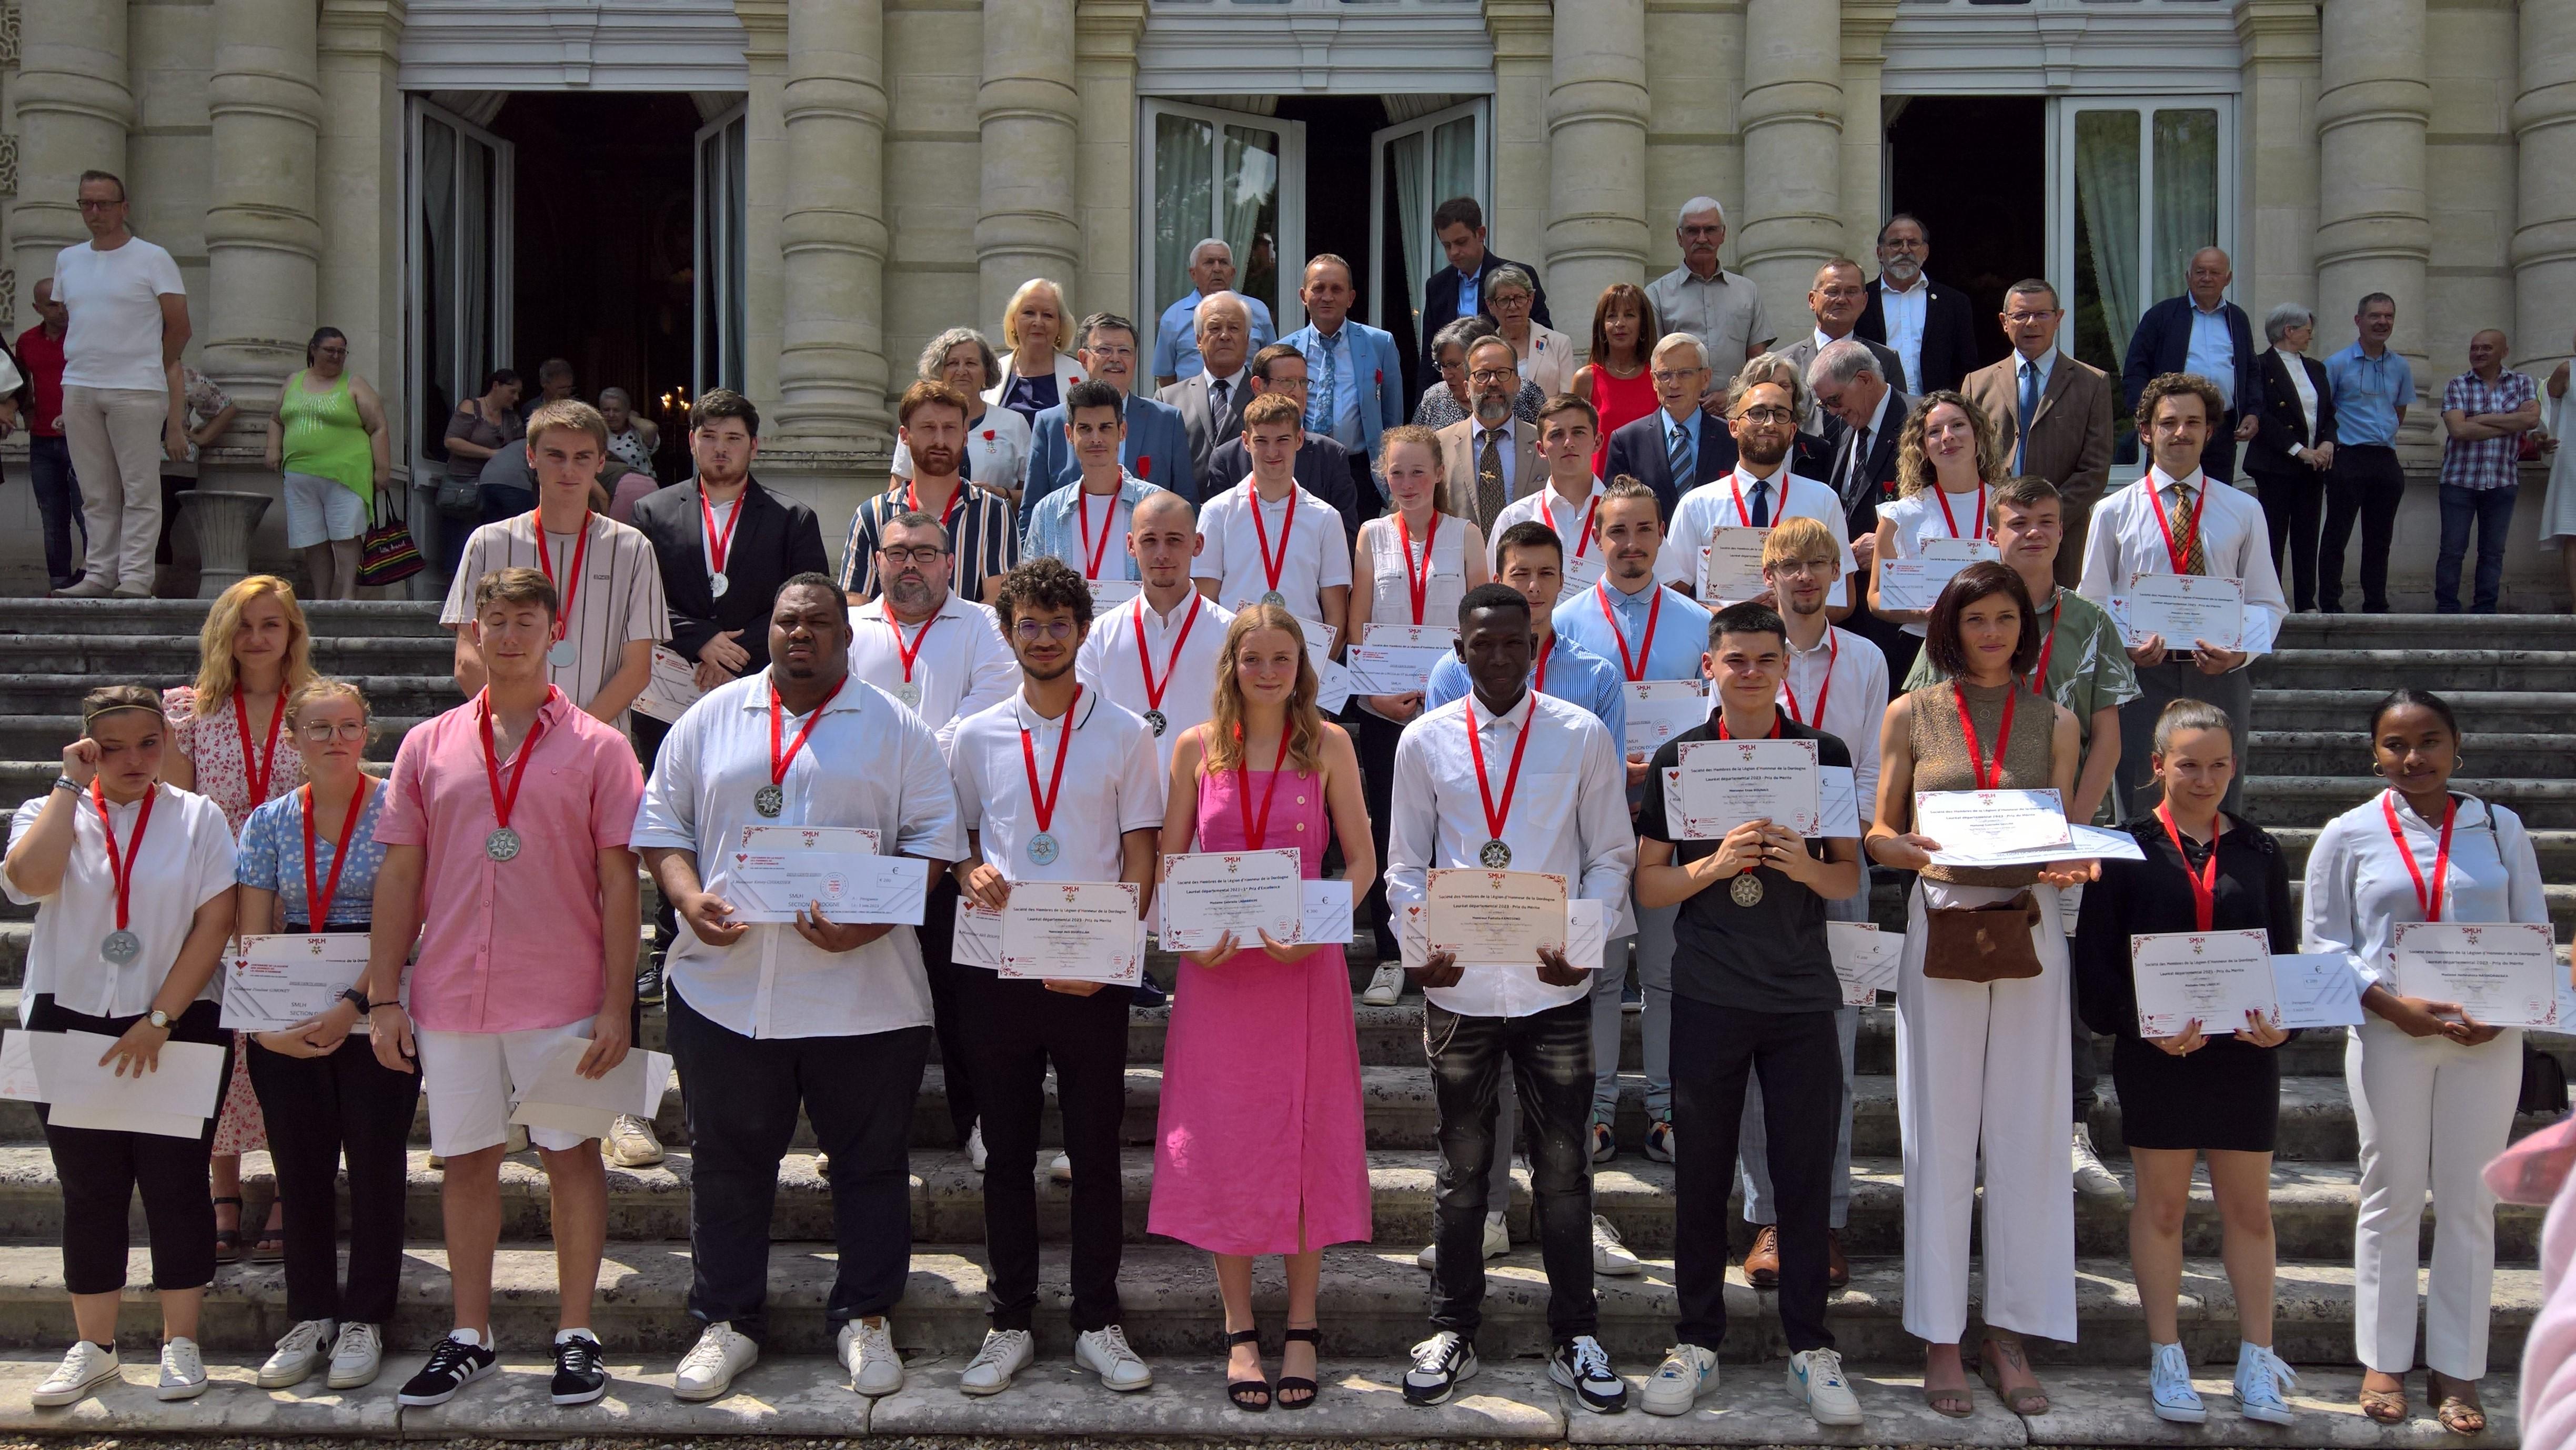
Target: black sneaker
1440,1364
648,981
456,1363
1150,993
1583,1366
578,1377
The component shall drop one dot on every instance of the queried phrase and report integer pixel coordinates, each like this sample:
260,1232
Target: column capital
1107,29
2278,30
1865,25
363,27
1522,29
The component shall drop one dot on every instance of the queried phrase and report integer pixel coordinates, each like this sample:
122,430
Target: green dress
324,437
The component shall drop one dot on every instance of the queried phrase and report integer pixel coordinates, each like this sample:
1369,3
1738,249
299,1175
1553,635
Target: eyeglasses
1767,417
2025,319
1823,567
323,732
1030,631
925,556
1676,375
1492,375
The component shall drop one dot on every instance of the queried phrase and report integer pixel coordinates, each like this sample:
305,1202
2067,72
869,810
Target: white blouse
2296,366
2358,889
185,861
1917,518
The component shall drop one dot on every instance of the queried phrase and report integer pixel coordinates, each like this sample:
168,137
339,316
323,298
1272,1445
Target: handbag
460,499
386,553
1981,943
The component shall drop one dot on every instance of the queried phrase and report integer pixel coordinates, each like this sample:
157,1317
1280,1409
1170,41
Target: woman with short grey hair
2293,447
1445,401
2283,318
1546,355
997,439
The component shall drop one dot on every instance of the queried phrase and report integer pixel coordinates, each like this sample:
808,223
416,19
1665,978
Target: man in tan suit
2067,405
1493,456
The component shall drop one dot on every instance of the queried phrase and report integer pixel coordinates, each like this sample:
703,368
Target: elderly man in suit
1211,401
1459,289
1493,456
1323,467
1680,445
2052,412
1851,385
1836,298
1928,323
1158,447
2201,332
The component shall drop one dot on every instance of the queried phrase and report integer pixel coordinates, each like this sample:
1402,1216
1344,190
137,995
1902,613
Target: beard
1762,455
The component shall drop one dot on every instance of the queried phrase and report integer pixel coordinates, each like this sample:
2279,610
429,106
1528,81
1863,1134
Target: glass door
457,266
1413,168
718,275
1228,175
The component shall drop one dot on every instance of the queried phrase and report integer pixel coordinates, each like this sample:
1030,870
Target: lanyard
778,763
2430,900
1582,540
1172,661
1978,774
2204,882
2181,557
1495,817
1942,496
1417,583
1255,831
718,546
502,804
262,767
1824,692
948,515
1634,665
907,656
1270,567
1044,804
564,591
2047,644
1538,676
1091,552
122,872
319,896
1735,482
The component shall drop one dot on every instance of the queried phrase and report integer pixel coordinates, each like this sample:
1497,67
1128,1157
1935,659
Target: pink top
510,945
2549,1351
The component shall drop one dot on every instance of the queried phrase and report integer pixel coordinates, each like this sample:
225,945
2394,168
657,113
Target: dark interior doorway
1338,132
1975,170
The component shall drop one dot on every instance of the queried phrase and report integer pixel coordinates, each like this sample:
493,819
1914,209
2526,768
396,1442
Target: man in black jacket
1459,223
1930,324
2200,332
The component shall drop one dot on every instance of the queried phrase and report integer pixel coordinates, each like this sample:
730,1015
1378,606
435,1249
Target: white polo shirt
1185,655
1111,785
1318,551
963,665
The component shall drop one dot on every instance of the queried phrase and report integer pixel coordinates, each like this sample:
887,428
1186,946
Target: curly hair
2213,407
1914,468
1045,582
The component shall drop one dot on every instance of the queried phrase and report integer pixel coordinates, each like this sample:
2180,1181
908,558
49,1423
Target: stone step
2518,707
2555,848
2427,631
183,618
1373,1301
41,738
405,696
2312,800
2443,670
166,659
2345,753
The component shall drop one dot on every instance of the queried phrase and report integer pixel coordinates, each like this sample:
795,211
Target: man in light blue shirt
2373,386
1355,384
1176,339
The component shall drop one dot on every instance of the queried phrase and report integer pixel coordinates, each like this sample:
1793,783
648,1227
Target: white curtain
2186,193
1248,192
2106,192
1410,159
1184,180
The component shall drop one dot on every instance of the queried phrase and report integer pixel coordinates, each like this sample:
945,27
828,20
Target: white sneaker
357,1357
2091,1178
1609,1256
183,1373
1687,1373
1816,1377
630,1143
1498,1242
975,1148
1061,1170
868,1351
298,1355
1385,986
86,1367
706,1372
1105,1353
1005,1353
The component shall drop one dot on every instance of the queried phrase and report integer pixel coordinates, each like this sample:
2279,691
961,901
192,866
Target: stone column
74,108
1596,127
1695,139
2544,128
765,187
1524,34
263,241
1793,108
2373,234
2277,137
832,237
1029,116
2469,166
1104,39
1864,149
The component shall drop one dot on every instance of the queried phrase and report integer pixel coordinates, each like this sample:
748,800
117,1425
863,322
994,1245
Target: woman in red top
1615,381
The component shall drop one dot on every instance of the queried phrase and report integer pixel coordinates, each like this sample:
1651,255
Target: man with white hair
1679,446
1211,400
1720,308
1176,344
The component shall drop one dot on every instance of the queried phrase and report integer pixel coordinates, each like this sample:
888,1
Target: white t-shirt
114,337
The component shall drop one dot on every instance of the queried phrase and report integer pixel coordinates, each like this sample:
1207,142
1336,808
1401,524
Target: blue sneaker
2169,1386
2260,1379
1150,993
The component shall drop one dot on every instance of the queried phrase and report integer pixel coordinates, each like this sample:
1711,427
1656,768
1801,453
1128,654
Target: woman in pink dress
1261,1149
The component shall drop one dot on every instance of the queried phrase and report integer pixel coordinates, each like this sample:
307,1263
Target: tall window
1228,175
719,271
2144,184
459,268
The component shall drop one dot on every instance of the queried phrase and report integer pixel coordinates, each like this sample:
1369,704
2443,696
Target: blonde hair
323,687
1417,435
1011,314
570,413
1914,468
216,673
1793,539
1224,738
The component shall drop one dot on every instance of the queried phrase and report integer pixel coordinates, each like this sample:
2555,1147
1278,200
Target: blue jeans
58,503
2491,509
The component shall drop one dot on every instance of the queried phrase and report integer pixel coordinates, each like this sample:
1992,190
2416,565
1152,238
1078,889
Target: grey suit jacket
1458,490
1208,426
1818,422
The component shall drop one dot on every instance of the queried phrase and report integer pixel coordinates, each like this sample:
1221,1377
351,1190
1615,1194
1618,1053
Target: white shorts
472,1081
319,510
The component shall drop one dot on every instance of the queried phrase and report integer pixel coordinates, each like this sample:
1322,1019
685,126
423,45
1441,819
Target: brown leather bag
1982,943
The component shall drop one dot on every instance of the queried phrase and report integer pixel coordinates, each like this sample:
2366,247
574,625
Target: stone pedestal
263,242
223,523
1793,108
1596,115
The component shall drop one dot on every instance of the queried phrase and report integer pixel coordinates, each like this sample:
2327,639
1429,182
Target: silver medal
1746,889
909,693
502,844
1043,849
1155,719
1496,855
717,584
1275,597
564,654
769,800
121,946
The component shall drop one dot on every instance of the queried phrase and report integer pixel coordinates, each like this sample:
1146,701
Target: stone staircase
2309,761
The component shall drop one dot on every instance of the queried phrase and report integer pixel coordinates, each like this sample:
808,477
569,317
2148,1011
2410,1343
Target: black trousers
1798,1058
1014,1031
2218,455
2293,509
740,1096
1550,1058
1376,737
948,1010
649,734
2366,483
319,1109
101,1168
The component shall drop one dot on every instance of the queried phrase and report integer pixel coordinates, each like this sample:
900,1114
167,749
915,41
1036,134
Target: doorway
1987,219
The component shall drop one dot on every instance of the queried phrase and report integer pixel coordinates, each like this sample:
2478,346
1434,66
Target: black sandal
1307,1335
270,1246
1240,1391
228,1240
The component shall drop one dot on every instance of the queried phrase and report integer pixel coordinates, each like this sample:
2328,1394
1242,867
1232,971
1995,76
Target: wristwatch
352,994
160,1019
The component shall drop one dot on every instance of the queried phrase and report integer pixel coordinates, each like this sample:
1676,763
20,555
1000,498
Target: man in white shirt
1760,492
2175,521
768,1016
1269,541
1056,784
1568,430
124,406
1157,654
1507,778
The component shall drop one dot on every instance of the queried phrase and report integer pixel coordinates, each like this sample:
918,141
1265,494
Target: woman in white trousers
1982,1067
2432,1089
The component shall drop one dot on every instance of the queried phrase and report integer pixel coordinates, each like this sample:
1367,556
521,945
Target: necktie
1854,484
2029,405
1489,480
1216,399
1682,458
2185,519
1319,408
1761,503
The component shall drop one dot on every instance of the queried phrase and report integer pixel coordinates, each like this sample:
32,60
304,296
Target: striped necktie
1683,456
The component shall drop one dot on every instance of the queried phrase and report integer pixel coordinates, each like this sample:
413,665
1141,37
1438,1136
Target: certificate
1108,594
1442,637
1319,635
1730,782
1676,819
562,1099
1328,912
1586,925
1730,566
2083,843
173,1101
1206,894
2317,989
1914,583
18,1067
1975,826
1332,687
978,942
1378,669
1494,917
672,688
1865,959
1073,931
2211,977
845,886
2184,608
855,840
273,982
1658,710
1582,571
2502,973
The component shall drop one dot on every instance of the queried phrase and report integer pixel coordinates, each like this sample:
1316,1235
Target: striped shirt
618,599
981,536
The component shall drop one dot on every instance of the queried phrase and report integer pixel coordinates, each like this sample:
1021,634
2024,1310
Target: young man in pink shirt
505,828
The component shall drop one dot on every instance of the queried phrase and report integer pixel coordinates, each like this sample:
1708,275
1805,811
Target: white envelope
978,942
1392,669
1865,959
1838,803
2318,989
672,687
1332,687
561,1098
184,1090
1328,912
18,1067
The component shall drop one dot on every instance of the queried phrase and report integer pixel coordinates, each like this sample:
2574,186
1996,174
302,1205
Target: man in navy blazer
1941,325
1158,444
2200,332
1355,384
1642,449
1459,289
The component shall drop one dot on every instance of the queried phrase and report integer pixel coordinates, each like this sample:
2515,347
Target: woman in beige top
1983,1070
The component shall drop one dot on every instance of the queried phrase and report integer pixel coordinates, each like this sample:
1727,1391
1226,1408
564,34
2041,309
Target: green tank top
323,436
